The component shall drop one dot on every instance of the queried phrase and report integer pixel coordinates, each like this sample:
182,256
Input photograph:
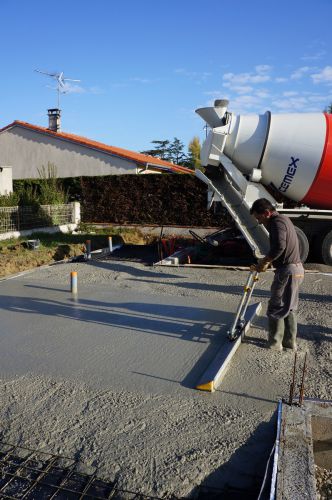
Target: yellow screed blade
209,386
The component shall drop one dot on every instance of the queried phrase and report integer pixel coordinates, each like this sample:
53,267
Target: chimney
54,119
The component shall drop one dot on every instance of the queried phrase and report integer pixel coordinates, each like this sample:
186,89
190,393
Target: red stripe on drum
319,194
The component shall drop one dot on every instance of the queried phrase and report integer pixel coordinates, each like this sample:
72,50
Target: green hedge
162,199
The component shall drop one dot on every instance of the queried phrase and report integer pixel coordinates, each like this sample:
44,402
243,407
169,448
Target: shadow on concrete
234,289
191,379
229,289
315,333
310,332
53,288
162,319
146,254
193,376
155,376
245,395
259,342
128,269
242,476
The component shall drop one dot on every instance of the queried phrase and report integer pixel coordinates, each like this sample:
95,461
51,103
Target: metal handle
239,316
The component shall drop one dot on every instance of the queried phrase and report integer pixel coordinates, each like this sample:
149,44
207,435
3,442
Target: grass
16,256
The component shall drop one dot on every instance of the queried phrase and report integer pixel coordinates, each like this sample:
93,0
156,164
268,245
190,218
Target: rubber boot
289,341
276,333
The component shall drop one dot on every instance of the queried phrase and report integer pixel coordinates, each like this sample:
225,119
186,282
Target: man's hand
261,266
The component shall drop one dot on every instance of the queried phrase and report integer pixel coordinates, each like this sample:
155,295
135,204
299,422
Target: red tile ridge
124,153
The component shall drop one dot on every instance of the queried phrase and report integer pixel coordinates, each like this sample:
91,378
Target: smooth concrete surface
215,372
103,337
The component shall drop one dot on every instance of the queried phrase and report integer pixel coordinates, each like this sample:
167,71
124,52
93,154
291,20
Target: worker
284,253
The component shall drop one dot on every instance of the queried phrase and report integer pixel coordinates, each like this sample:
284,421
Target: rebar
302,381
29,474
292,385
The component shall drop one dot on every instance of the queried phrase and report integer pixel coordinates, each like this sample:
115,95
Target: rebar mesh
31,217
31,474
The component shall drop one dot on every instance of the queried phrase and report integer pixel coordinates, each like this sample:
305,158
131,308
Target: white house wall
27,151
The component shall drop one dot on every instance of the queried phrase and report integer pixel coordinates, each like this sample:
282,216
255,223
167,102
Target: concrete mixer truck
255,156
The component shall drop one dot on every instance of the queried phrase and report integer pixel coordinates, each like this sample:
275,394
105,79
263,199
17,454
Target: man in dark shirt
284,253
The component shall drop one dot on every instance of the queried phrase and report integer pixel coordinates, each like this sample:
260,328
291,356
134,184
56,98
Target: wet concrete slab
123,338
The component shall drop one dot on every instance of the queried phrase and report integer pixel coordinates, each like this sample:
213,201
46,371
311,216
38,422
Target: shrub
9,200
50,190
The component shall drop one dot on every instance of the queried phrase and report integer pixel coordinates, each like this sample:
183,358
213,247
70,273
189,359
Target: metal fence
31,217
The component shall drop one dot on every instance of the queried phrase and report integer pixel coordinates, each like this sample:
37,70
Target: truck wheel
303,243
327,249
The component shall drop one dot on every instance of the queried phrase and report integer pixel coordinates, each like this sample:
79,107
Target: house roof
145,160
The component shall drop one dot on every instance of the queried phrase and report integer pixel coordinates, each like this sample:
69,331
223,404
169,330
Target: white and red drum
292,151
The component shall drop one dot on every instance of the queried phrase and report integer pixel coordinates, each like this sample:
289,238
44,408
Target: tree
175,152
328,109
194,151
169,151
160,151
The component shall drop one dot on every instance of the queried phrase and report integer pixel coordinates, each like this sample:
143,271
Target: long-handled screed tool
239,320
216,370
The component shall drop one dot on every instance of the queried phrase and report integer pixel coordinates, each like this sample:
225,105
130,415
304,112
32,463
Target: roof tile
123,153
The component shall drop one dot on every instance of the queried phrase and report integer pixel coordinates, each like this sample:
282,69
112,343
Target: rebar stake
302,381
291,392
88,249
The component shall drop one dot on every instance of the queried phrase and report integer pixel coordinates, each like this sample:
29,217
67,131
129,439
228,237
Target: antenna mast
61,87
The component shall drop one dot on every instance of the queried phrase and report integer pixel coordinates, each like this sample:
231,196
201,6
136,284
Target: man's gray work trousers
283,305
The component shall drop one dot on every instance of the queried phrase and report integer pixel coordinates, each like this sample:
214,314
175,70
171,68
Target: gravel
323,483
170,443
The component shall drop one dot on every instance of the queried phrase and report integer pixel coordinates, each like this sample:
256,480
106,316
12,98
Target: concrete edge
213,375
103,251
296,447
62,228
276,453
179,257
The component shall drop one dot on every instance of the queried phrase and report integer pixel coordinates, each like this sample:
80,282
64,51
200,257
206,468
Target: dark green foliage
72,186
328,109
9,200
47,190
163,199
29,190
50,189
169,151
160,150
147,199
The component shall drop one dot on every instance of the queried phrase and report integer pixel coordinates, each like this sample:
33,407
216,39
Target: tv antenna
62,87
206,128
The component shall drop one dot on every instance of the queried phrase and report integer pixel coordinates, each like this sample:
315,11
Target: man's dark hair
259,206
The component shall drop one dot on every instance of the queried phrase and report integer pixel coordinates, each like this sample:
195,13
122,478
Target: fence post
76,212
88,249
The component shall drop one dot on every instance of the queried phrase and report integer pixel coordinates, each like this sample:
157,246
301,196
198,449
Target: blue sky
145,66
